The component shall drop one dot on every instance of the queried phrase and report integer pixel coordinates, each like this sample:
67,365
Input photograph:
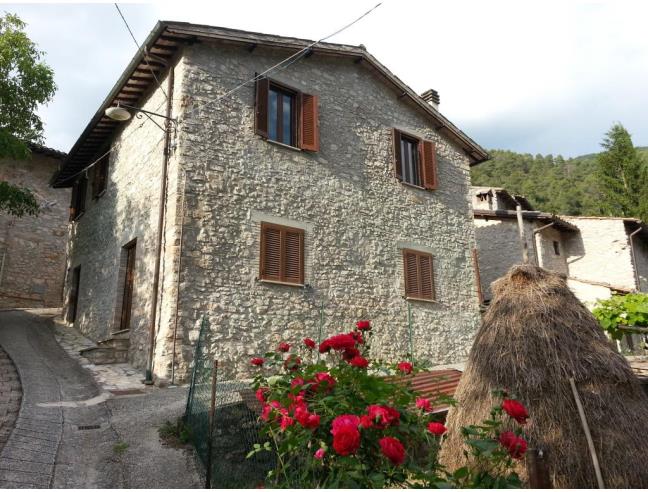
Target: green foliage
288,387
622,175
17,201
552,184
25,82
617,314
120,447
174,434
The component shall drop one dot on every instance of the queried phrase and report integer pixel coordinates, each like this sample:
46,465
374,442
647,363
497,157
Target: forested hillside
552,184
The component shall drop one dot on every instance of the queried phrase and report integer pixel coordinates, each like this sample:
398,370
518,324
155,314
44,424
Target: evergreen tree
621,175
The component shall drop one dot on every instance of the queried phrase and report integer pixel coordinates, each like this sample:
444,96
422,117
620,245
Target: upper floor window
415,160
282,254
556,247
100,176
78,200
286,115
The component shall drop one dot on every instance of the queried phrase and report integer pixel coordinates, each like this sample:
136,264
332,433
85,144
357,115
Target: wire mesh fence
223,420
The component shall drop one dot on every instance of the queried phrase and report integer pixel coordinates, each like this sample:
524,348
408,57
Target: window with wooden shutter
414,160
100,176
309,131
77,205
418,270
282,254
286,115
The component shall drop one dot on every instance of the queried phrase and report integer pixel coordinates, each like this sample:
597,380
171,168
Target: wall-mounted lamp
121,113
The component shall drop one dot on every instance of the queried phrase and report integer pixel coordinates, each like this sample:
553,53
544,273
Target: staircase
112,350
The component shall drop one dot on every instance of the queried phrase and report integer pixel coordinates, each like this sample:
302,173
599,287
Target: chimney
432,97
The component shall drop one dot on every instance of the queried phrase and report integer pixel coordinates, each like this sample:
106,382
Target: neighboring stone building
329,183
599,255
32,248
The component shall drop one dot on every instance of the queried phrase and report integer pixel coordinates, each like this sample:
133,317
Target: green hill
552,184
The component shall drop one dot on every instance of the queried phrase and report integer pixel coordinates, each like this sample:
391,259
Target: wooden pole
588,436
525,246
536,460
210,433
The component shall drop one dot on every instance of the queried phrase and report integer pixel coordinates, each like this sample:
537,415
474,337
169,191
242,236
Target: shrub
619,313
339,423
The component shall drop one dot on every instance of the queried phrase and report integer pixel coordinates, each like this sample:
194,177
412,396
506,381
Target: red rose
326,379
310,343
346,439
437,428
283,347
257,361
306,419
344,420
405,367
366,422
297,382
292,363
338,342
350,353
392,449
265,414
424,404
382,416
261,394
286,422
363,325
359,361
516,411
357,336
320,453
515,445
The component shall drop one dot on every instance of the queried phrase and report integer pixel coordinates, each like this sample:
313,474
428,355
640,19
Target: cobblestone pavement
109,377
71,433
10,396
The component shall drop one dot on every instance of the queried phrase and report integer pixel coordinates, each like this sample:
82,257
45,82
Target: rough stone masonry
225,180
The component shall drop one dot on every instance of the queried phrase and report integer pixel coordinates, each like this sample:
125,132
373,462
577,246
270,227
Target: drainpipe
634,260
525,246
535,247
160,235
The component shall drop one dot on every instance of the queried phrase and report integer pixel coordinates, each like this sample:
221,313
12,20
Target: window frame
425,164
281,279
418,254
556,248
295,95
100,177
78,198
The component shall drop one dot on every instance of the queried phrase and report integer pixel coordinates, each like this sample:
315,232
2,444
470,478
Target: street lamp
121,113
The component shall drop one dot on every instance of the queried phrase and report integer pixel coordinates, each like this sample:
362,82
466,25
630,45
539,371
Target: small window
100,177
419,275
78,200
286,115
73,296
556,247
282,254
415,160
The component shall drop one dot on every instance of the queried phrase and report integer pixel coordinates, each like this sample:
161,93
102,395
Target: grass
174,434
120,447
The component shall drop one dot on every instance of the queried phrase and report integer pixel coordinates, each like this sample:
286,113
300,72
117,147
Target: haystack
535,336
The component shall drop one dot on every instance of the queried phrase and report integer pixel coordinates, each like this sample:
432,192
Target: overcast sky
530,76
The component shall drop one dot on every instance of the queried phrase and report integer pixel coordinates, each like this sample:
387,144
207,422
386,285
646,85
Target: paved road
70,434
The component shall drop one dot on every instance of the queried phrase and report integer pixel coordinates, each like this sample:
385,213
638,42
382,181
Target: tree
621,175
25,82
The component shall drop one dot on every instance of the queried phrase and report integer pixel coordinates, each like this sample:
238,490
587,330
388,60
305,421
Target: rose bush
340,423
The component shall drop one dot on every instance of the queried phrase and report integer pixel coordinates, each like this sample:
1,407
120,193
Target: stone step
116,343
121,334
105,355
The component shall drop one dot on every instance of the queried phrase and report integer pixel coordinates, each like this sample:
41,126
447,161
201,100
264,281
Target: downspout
535,247
160,235
634,260
525,246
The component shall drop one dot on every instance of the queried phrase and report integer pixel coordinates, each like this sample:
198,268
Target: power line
144,54
288,61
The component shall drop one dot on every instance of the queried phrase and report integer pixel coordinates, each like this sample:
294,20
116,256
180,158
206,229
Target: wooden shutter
100,176
81,196
419,275
309,128
398,158
282,254
73,200
261,107
428,164
293,256
270,252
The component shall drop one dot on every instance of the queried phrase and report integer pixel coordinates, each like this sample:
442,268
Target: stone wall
601,252
357,218
546,256
32,248
127,211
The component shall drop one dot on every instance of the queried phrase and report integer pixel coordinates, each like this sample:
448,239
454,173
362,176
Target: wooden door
129,277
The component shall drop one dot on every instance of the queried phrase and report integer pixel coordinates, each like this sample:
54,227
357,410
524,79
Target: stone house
322,192
32,248
600,256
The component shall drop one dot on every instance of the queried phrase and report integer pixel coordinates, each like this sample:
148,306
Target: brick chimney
432,97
